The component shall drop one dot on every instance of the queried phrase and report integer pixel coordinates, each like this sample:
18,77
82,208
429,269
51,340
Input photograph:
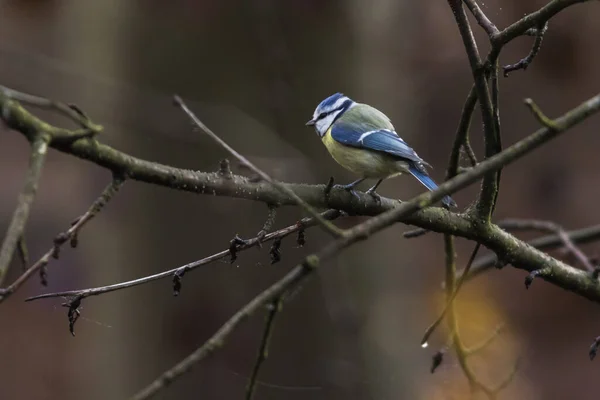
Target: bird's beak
310,123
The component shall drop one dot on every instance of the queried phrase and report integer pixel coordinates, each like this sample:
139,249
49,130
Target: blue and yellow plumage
363,140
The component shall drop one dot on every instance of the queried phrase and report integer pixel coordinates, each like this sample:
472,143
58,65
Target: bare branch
539,115
485,343
68,236
490,184
327,225
461,136
70,111
22,251
481,18
268,223
39,149
469,152
451,297
274,308
290,280
179,271
533,20
415,233
524,62
547,226
457,343
495,238
549,242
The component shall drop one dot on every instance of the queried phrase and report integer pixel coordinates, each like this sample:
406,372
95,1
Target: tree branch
481,18
549,242
524,62
490,184
39,149
70,111
274,308
522,256
327,225
69,236
533,20
180,271
547,226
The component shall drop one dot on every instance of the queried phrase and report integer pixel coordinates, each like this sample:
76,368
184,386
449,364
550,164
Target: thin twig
39,149
508,379
489,186
291,280
469,152
461,353
486,342
305,223
70,111
327,225
268,223
551,227
533,20
462,133
274,309
22,251
524,62
68,236
450,300
549,242
539,115
415,233
481,18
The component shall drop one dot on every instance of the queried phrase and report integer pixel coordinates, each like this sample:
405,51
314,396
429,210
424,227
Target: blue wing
383,140
386,141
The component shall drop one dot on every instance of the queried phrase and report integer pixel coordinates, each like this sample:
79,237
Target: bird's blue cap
330,101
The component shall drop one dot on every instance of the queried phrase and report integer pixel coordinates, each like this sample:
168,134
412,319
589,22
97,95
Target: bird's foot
374,194
348,188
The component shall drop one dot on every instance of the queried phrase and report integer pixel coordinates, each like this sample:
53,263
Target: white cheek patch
324,123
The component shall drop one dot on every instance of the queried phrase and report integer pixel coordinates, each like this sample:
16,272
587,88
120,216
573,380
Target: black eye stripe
324,114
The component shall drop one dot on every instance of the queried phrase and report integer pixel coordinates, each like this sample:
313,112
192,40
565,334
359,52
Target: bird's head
328,111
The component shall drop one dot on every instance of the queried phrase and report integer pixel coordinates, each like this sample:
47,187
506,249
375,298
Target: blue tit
363,140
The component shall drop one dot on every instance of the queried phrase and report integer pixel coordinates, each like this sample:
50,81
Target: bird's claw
374,194
348,188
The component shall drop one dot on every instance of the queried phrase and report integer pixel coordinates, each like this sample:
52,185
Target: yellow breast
362,162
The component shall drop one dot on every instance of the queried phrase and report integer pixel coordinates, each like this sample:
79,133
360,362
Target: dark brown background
254,72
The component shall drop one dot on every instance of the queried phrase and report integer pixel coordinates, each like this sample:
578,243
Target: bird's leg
372,191
350,187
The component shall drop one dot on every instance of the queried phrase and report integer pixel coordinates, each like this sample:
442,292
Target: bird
363,140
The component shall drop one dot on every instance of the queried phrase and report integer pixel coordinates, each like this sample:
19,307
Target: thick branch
549,242
68,110
548,226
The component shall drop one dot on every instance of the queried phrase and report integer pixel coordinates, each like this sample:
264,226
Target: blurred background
254,71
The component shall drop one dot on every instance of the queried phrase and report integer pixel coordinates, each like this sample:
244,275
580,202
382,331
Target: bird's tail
430,184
